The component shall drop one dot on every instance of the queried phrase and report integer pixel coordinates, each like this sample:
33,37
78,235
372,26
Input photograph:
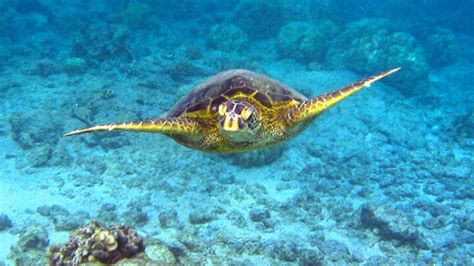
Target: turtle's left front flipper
313,107
169,126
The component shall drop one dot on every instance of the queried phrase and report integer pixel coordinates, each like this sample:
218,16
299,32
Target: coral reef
137,15
369,45
107,214
306,42
34,237
225,62
44,68
237,219
462,127
74,65
193,52
135,216
249,13
334,251
33,6
227,37
94,243
259,214
101,42
30,247
5,222
226,178
183,70
168,218
441,47
38,133
31,129
390,222
186,9
201,217
290,251
85,108
160,254
62,219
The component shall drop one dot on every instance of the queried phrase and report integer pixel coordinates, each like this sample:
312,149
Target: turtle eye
246,113
222,109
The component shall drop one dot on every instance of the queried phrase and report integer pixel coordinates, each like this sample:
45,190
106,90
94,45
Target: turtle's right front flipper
185,127
313,107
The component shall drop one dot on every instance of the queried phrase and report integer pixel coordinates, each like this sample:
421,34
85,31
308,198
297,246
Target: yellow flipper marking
168,126
315,106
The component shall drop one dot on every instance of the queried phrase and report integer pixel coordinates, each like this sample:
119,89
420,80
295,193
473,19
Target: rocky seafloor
384,178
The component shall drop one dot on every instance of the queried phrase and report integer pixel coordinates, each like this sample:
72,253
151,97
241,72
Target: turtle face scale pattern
238,121
239,110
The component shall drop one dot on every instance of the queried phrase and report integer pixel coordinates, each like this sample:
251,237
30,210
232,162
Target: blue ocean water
383,178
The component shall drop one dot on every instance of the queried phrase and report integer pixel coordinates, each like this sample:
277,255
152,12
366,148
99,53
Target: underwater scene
237,132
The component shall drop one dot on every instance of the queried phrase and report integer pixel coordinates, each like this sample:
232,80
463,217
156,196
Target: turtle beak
230,123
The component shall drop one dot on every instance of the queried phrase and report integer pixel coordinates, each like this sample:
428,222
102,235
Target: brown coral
94,243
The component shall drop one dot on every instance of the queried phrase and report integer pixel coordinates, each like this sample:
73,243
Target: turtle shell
205,98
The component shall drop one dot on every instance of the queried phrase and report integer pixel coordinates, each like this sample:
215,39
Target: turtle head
238,121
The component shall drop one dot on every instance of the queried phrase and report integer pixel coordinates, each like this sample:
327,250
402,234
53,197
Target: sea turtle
238,110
